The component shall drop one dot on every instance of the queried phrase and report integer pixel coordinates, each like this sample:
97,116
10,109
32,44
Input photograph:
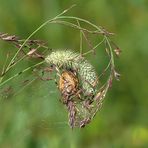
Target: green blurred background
34,118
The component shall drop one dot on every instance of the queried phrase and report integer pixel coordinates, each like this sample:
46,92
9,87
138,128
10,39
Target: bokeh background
34,118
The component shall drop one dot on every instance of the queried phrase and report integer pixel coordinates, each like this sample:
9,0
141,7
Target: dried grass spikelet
69,60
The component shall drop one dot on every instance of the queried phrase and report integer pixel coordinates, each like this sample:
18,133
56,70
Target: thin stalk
22,88
111,53
73,26
81,39
4,82
83,20
3,70
94,47
82,33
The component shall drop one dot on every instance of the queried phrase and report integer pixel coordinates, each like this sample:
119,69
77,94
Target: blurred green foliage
34,118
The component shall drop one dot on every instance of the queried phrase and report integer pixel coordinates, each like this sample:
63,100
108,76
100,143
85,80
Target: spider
71,96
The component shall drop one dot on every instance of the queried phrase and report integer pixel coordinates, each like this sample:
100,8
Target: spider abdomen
68,85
